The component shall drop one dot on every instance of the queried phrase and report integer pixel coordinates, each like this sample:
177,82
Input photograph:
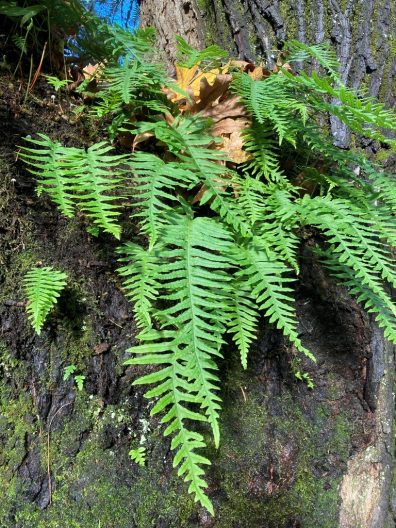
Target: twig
48,451
38,71
9,302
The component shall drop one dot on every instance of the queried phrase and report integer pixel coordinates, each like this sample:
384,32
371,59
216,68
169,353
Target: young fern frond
43,287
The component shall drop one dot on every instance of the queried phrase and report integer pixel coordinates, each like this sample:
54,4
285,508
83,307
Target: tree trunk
289,457
362,32
293,457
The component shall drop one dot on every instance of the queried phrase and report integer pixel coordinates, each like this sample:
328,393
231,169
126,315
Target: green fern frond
157,182
100,174
358,232
363,115
78,176
188,57
177,390
383,312
128,79
322,53
54,175
196,282
261,143
139,44
266,278
271,100
140,281
273,216
43,286
354,243
280,224
193,139
193,276
243,320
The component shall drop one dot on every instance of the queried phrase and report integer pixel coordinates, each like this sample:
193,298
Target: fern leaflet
43,286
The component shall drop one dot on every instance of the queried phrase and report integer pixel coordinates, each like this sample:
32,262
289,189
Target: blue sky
123,12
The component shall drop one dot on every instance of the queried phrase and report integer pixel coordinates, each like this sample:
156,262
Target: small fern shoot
43,287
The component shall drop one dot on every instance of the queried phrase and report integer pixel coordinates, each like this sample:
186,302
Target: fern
43,286
80,177
176,392
99,173
190,57
362,114
223,238
54,176
243,319
321,53
140,282
193,327
260,141
156,180
271,100
265,277
131,77
363,259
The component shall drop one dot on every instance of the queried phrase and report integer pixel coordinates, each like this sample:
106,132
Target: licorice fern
43,287
222,239
78,177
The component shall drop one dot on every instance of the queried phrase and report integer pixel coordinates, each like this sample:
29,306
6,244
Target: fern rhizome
231,164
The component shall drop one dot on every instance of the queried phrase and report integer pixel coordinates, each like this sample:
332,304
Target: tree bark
353,358
362,33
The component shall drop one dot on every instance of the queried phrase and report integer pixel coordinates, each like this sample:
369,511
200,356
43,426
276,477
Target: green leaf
43,287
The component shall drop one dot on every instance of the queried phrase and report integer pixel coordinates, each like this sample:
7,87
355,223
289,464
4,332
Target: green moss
16,424
288,15
276,461
99,487
217,29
